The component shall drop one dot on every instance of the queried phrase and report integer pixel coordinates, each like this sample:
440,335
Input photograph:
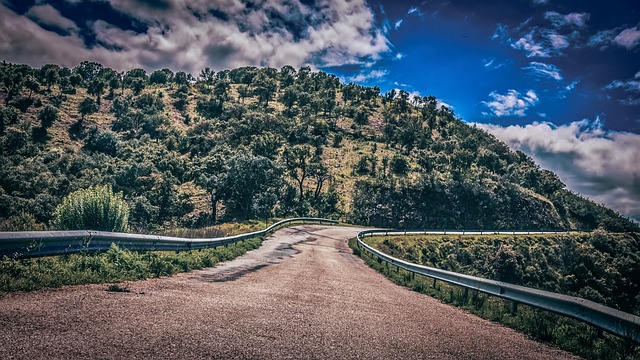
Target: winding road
301,295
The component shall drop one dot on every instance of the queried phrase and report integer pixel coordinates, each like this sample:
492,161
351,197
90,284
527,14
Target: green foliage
399,165
87,107
21,222
431,169
161,77
565,333
95,208
602,267
102,141
47,116
111,266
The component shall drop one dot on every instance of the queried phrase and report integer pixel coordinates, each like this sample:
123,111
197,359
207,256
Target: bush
95,208
102,141
47,116
399,165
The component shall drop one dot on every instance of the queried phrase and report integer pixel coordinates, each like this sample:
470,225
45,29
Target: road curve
301,295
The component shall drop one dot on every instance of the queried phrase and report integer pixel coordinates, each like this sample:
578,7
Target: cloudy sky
559,80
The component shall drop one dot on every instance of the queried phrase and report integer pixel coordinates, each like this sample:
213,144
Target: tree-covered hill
258,143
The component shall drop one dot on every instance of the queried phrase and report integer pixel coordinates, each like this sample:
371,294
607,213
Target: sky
559,80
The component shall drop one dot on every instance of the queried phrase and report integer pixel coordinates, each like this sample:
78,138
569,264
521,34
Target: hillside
258,143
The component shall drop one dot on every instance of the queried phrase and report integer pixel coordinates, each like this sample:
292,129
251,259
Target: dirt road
301,295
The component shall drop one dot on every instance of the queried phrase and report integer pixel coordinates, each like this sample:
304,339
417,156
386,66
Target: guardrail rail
602,317
26,244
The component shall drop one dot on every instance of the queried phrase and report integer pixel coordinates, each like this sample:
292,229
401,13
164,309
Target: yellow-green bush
94,208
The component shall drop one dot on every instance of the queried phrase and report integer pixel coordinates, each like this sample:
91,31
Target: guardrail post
514,307
434,283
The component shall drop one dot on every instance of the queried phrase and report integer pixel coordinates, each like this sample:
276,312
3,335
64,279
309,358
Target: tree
399,165
135,79
264,87
95,208
12,80
8,116
96,88
247,177
207,76
212,172
87,70
47,116
87,107
182,78
297,160
161,77
289,97
221,89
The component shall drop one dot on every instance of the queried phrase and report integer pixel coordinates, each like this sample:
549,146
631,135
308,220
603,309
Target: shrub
47,116
21,222
96,208
102,141
399,165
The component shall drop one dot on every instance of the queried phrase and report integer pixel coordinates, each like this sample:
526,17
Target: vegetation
599,266
112,266
253,143
95,208
566,333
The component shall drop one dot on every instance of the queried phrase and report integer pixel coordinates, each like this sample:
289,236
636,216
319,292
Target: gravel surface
301,295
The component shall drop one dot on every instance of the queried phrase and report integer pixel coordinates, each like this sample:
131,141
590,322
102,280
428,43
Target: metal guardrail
26,244
608,319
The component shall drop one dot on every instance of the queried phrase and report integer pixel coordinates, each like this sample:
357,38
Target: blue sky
477,57
559,80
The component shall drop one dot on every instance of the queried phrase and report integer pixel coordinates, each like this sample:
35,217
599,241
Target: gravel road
301,295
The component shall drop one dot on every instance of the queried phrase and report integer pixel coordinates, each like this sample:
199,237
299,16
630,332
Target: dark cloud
191,35
602,165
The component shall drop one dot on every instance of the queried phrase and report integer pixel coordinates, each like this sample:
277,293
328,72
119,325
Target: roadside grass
118,265
565,333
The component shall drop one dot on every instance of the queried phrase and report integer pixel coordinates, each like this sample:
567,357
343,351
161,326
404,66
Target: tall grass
565,333
94,208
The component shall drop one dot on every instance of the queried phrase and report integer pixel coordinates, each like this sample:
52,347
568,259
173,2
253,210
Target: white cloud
539,2
488,62
545,70
628,38
494,64
511,104
185,35
400,56
630,87
414,10
602,165
572,85
532,47
558,41
366,76
602,38
500,33
440,103
574,19
398,24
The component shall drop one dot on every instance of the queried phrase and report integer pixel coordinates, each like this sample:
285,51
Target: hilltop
262,142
